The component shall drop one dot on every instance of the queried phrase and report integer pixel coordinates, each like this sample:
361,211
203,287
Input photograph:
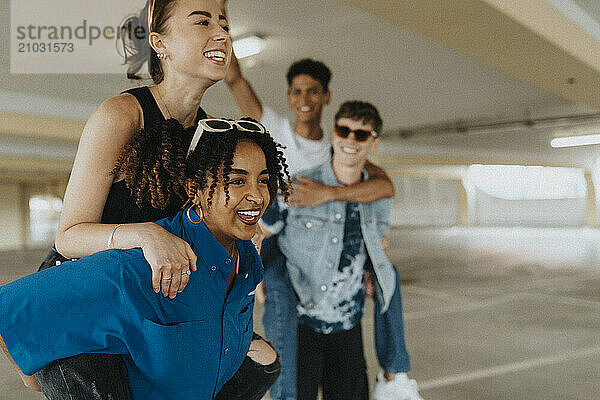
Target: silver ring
167,279
186,272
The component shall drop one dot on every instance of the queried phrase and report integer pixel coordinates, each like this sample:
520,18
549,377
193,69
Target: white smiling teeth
305,108
349,150
249,216
216,55
249,213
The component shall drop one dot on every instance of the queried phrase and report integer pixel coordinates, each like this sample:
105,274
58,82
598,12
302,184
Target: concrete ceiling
421,62
532,40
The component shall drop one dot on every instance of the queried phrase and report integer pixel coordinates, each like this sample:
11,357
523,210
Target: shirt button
227,261
323,288
309,225
329,265
310,304
334,240
246,276
338,216
226,350
213,268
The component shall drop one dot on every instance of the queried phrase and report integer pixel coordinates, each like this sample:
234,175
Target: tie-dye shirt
342,306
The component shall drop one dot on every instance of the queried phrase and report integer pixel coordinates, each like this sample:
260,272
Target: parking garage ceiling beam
530,39
31,126
20,167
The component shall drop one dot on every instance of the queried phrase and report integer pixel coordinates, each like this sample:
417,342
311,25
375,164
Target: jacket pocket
309,223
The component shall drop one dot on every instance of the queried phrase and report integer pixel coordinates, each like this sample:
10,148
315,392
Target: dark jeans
104,376
85,377
335,361
279,319
251,381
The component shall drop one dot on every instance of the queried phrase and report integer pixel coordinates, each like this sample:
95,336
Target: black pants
103,377
335,361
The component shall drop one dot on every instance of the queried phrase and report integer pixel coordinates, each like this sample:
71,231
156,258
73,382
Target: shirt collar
203,242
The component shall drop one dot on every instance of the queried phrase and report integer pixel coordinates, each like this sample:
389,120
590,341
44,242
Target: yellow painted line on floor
507,368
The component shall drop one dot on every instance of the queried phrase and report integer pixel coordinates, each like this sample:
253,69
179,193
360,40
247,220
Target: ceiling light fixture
571,141
248,46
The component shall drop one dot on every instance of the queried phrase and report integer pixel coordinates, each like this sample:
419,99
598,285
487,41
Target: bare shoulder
115,120
106,132
122,110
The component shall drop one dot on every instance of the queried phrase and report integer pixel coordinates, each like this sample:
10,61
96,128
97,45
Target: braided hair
155,167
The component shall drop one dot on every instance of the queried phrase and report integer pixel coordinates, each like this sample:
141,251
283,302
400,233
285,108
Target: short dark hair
315,69
361,111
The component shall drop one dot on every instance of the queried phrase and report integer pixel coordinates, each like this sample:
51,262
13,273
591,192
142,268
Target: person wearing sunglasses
186,47
183,348
328,249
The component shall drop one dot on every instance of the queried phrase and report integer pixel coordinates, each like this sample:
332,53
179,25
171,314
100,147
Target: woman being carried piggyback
181,348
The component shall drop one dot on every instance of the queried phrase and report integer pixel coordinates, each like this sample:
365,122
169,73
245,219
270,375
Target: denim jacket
312,240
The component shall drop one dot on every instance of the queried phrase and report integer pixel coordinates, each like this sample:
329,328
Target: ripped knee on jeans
262,352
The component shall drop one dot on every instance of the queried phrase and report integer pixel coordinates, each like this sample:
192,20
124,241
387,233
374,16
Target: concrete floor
490,313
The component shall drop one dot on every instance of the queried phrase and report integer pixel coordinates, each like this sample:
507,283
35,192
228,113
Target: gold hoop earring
201,215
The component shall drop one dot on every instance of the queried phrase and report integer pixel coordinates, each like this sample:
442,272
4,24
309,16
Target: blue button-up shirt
184,348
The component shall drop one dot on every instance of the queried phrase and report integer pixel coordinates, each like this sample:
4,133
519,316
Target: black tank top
120,206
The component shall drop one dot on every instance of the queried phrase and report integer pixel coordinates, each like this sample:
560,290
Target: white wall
487,210
425,202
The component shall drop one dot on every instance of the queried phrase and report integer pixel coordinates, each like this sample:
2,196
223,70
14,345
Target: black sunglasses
360,135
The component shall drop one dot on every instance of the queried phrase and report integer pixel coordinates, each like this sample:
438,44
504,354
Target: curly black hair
155,167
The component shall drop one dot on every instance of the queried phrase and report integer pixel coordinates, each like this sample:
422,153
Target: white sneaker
401,388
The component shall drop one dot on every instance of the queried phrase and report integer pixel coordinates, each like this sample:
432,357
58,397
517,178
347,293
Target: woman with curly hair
182,348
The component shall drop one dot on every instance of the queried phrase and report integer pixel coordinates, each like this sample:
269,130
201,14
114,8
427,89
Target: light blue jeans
281,324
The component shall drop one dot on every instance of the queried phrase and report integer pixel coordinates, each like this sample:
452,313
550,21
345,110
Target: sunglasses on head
360,135
223,125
